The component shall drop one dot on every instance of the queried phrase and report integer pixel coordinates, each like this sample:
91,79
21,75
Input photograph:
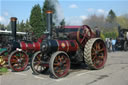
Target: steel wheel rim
37,64
99,54
61,65
19,61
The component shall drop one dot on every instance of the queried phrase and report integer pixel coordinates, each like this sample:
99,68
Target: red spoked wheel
59,64
83,34
36,64
18,60
95,53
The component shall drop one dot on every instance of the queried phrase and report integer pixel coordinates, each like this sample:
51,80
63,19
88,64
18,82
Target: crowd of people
110,43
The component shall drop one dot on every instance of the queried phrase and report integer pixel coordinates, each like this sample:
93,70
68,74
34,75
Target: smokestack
49,23
13,27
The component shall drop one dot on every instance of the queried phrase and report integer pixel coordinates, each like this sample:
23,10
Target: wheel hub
19,60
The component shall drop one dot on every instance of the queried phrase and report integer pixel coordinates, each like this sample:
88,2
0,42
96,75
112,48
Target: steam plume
58,15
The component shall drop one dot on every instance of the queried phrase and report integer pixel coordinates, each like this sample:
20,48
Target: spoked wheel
83,34
18,60
36,65
59,64
95,53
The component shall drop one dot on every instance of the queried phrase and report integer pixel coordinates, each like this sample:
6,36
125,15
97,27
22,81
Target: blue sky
74,10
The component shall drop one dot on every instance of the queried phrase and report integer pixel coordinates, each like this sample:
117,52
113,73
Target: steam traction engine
18,54
57,53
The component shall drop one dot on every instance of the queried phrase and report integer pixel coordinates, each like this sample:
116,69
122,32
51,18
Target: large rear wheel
18,60
59,64
95,53
36,65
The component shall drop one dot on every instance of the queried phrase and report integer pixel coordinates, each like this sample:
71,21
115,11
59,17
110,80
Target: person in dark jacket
97,32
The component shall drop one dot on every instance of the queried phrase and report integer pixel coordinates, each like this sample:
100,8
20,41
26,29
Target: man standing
113,44
97,32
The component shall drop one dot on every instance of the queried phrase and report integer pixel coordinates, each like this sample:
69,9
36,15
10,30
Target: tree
57,12
111,22
46,6
62,23
36,21
28,28
21,26
122,21
111,16
2,27
94,20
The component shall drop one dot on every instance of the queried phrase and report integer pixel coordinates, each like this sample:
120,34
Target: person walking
113,45
110,45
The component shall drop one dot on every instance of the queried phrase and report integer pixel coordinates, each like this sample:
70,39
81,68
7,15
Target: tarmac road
115,72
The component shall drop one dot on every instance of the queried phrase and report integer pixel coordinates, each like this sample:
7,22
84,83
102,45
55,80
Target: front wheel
59,64
18,60
36,64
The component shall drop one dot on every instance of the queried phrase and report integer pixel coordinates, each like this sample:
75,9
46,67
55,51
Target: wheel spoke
93,54
56,64
13,61
94,58
100,50
38,58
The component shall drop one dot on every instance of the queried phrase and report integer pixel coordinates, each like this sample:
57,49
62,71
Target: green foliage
111,16
62,23
3,70
2,26
21,26
102,36
47,6
122,21
110,35
36,21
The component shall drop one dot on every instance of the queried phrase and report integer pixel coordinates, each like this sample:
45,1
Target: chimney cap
13,18
49,11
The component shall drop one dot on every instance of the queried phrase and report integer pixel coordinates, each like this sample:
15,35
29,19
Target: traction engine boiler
57,52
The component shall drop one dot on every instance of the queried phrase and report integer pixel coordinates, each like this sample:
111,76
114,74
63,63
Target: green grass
3,70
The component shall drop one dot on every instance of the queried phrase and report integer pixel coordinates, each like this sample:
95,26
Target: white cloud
75,20
90,10
4,20
101,11
83,17
73,6
5,13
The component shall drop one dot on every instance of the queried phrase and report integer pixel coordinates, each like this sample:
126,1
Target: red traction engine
19,53
58,53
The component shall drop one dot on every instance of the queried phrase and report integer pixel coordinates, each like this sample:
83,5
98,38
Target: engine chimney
49,23
13,27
